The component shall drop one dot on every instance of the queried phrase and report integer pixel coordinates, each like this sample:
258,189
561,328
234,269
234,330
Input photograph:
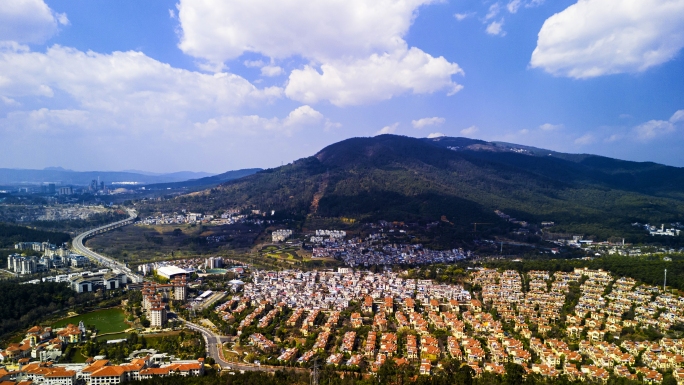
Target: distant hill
62,176
400,178
12,234
205,182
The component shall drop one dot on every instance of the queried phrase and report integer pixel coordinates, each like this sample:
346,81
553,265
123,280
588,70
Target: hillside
206,182
12,234
399,178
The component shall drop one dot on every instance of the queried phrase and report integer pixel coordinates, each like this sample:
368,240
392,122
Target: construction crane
478,223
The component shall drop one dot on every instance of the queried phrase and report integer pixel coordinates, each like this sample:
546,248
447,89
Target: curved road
78,246
214,344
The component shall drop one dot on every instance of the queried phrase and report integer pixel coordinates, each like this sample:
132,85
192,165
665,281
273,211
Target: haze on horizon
213,86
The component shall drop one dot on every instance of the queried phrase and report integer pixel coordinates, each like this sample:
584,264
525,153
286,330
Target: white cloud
653,128
254,63
677,117
250,125
435,135
470,130
550,127
62,18
424,122
379,77
9,101
585,139
513,6
172,13
388,129
496,28
122,93
271,70
493,11
355,49
29,21
600,37
220,31
463,16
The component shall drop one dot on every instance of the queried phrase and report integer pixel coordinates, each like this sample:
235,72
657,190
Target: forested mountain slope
400,178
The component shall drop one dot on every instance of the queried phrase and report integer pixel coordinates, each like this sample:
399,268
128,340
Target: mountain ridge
465,180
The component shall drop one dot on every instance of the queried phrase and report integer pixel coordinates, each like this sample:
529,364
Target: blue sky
218,85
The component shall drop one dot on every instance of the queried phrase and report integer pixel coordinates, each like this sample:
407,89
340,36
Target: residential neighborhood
583,324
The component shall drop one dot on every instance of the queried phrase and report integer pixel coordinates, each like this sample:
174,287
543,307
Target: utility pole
665,281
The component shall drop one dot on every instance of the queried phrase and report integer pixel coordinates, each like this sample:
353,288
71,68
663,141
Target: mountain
400,178
62,176
205,182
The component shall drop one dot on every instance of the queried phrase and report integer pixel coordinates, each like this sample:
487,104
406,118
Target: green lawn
106,321
116,336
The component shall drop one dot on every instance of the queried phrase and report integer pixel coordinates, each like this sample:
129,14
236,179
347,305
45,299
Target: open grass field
105,321
116,336
280,252
138,244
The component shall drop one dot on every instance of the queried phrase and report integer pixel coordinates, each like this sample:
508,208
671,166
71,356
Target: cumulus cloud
653,128
424,122
495,28
435,135
299,118
118,93
221,31
550,127
470,130
600,37
95,79
29,21
656,128
388,129
379,77
353,47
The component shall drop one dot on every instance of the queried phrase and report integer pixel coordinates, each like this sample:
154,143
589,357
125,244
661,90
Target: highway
78,247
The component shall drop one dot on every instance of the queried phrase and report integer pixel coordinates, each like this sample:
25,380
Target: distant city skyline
214,86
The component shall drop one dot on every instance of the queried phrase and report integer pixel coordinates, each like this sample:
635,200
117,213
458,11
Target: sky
214,85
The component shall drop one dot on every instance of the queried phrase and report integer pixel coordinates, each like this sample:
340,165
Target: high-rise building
158,317
180,289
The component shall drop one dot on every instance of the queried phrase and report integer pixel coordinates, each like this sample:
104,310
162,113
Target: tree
514,374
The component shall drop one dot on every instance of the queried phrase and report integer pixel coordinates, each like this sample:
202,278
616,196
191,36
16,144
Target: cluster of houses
42,343
516,319
376,250
327,235
654,230
33,362
176,219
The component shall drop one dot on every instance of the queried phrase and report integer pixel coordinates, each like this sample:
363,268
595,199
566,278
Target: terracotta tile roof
154,371
95,366
108,371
